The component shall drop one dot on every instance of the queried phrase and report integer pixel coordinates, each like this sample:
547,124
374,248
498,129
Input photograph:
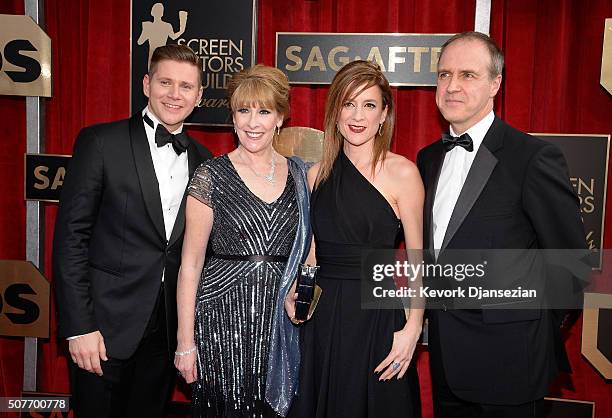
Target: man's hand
87,350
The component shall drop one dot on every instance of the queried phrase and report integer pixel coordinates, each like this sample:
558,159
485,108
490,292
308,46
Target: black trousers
447,405
136,387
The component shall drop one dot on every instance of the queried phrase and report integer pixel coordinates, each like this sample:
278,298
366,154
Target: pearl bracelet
184,353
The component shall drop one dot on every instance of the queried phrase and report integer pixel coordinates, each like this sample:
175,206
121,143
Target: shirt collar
478,131
147,111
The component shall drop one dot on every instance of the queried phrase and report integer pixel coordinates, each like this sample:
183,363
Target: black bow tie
162,137
451,142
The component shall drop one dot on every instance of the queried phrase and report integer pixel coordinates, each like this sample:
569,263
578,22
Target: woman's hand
198,225
290,304
400,356
185,362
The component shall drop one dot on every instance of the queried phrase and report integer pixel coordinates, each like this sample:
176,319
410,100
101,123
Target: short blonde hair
260,85
178,53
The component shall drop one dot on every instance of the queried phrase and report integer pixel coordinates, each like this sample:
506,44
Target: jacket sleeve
553,208
551,203
79,202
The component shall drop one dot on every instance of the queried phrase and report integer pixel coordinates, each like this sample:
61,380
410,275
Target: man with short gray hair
490,186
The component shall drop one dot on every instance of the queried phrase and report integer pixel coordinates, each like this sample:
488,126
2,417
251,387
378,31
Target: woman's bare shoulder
401,168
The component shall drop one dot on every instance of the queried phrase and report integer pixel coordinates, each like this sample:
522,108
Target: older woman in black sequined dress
250,207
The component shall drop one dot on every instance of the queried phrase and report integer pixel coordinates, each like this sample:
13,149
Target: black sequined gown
342,344
235,299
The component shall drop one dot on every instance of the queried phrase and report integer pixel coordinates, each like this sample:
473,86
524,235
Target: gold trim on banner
42,200
32,289
606,57
23,28
48,155
605,188
573,401
590,330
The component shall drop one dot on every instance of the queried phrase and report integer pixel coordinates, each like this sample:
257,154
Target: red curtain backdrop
551,84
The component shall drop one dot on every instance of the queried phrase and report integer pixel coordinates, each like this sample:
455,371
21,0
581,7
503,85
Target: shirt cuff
74,337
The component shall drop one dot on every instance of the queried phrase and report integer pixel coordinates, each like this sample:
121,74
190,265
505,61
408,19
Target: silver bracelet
184,353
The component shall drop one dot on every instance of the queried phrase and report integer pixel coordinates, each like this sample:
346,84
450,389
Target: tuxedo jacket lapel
478,176
193,160
146,173
433,170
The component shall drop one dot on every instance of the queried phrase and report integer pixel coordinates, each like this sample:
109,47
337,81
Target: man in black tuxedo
490,186
117,245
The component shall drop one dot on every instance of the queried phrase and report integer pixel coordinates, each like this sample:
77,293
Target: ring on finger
395,365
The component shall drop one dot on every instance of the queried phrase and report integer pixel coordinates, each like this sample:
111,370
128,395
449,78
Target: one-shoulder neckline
231,164
374,188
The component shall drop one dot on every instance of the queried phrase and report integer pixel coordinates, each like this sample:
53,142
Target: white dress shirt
172,172
455,168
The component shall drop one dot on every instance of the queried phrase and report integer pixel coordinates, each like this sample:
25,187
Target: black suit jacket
517,195
110,247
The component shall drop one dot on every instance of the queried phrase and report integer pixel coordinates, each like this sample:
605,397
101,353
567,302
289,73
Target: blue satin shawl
284,355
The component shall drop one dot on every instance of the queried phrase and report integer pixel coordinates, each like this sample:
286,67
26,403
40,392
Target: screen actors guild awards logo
220,32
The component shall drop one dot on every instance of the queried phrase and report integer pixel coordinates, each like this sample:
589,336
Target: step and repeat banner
223,34
24,300
25,57
407,59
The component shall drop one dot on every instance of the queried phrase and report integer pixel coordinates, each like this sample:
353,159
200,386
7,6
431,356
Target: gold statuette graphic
157,32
